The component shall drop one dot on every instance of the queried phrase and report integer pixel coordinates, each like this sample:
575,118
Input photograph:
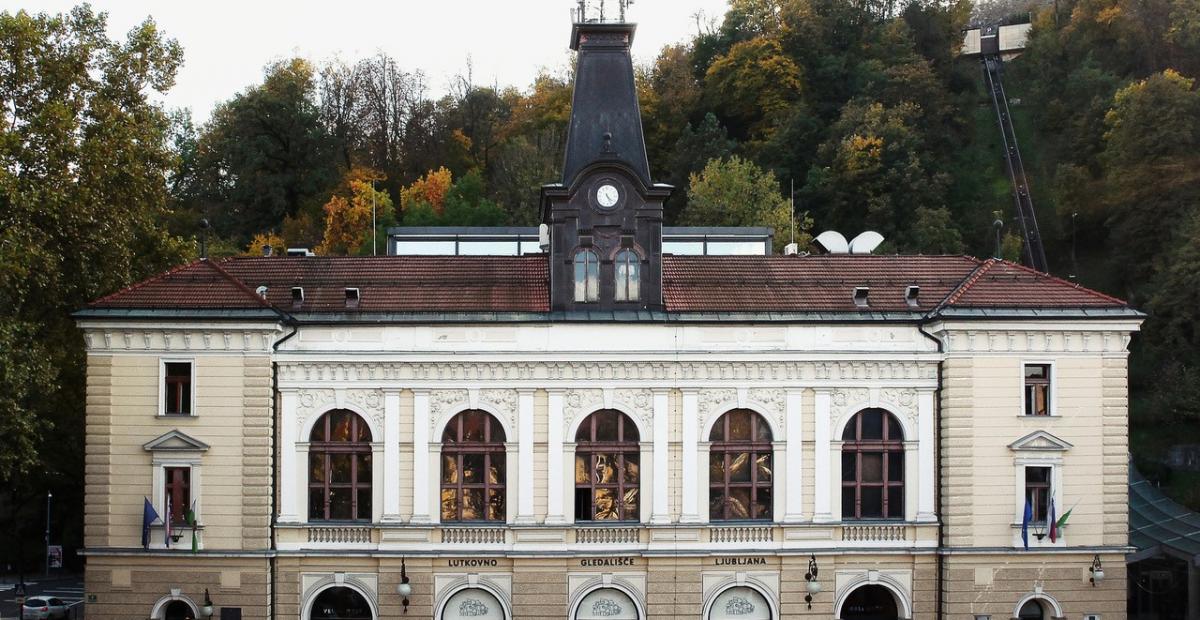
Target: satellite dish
865,242
833,242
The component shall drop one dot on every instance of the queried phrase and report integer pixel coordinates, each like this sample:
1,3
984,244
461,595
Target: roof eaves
142,283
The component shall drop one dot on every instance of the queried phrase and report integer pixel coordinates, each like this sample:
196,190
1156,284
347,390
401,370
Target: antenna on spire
579,14
624,5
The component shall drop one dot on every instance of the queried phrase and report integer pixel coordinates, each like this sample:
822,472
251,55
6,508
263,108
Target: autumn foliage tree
350,212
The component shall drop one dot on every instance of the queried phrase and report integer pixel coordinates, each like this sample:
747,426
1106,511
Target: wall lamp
206,610
813,587
405,588
1097,571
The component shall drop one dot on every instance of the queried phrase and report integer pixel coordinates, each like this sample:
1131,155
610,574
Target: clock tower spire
605,216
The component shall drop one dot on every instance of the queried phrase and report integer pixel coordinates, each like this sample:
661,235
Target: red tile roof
751,284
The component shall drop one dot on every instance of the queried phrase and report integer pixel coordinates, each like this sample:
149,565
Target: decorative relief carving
472,607
641,402
668,373
309,402
442,402
774,400
370,401
844,399
606,607
715,402
576,402
504,401
738,606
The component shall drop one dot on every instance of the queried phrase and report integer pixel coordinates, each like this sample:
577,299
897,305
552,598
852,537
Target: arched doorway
740,603
607,604
179,610
870,602
1032,610
473,603
341,603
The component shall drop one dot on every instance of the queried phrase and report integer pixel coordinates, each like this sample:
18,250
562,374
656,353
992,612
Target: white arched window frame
587,276
627,270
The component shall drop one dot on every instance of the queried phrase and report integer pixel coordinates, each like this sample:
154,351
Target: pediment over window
175,441
1040,441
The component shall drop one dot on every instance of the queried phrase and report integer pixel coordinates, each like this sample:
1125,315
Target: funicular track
1035,253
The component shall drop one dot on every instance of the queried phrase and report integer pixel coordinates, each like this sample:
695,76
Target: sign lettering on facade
592,562
472,562
740,561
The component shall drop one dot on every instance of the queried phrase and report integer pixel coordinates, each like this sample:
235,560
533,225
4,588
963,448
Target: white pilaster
794,474
910,493
821,459
554,459
289,506
661,490
378,487
421,473
391,457
925,465
688,463
525,456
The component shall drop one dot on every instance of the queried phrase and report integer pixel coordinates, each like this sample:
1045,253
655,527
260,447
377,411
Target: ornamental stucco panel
580,402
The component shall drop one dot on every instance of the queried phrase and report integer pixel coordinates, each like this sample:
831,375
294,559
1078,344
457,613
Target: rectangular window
177,388
1037,491
1037,389
178,493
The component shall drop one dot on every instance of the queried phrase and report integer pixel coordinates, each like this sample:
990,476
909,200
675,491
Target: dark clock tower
605,217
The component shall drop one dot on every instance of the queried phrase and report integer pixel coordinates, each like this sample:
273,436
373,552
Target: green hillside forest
863,105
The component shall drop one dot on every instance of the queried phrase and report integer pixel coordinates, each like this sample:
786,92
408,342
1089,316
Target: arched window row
627,276
473,468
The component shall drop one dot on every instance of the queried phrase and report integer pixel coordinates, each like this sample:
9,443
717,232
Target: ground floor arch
607,603
871,601
475,603
740,602
340,603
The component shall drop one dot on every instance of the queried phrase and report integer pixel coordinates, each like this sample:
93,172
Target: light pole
48,496
374,241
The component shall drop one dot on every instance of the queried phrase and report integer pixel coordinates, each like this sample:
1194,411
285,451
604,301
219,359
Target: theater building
605,430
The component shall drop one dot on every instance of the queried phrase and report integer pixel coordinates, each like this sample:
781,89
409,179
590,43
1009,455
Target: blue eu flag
149,516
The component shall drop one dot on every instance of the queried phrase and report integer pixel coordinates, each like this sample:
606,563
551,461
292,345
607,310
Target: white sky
227,43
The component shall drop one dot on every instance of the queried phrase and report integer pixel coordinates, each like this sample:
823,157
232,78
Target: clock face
607,195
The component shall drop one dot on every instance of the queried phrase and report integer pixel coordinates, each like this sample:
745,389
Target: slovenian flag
1025,524
191,519
149,516
1053,523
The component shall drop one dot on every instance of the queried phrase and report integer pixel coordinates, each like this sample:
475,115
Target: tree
349,214
752,86
736,192
265,155
430,189
1151,162
83,187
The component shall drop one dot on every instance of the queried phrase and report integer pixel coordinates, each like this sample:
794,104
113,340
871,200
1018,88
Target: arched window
178,610
869,602
628,274
587,276
739,467
606,468
339,468
1031,610
473,461
873,467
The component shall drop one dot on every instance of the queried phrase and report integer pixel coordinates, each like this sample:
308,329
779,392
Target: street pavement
69,588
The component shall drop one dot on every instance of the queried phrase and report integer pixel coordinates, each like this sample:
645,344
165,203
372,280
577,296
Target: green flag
1063,520
191,520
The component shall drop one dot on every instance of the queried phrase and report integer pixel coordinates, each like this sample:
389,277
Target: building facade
605,430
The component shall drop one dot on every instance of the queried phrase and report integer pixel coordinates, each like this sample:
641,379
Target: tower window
628,272
587,276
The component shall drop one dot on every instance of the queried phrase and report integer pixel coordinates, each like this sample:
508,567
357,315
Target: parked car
43,608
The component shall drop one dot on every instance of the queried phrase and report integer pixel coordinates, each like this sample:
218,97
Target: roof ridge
971,278
142,283
1047,275
242,286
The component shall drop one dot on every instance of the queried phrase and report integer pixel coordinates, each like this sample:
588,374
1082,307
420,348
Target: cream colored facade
259,388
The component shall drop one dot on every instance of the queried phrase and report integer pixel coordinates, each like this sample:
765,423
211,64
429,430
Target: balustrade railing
339,534
874,533
473,535
741,534
606,535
